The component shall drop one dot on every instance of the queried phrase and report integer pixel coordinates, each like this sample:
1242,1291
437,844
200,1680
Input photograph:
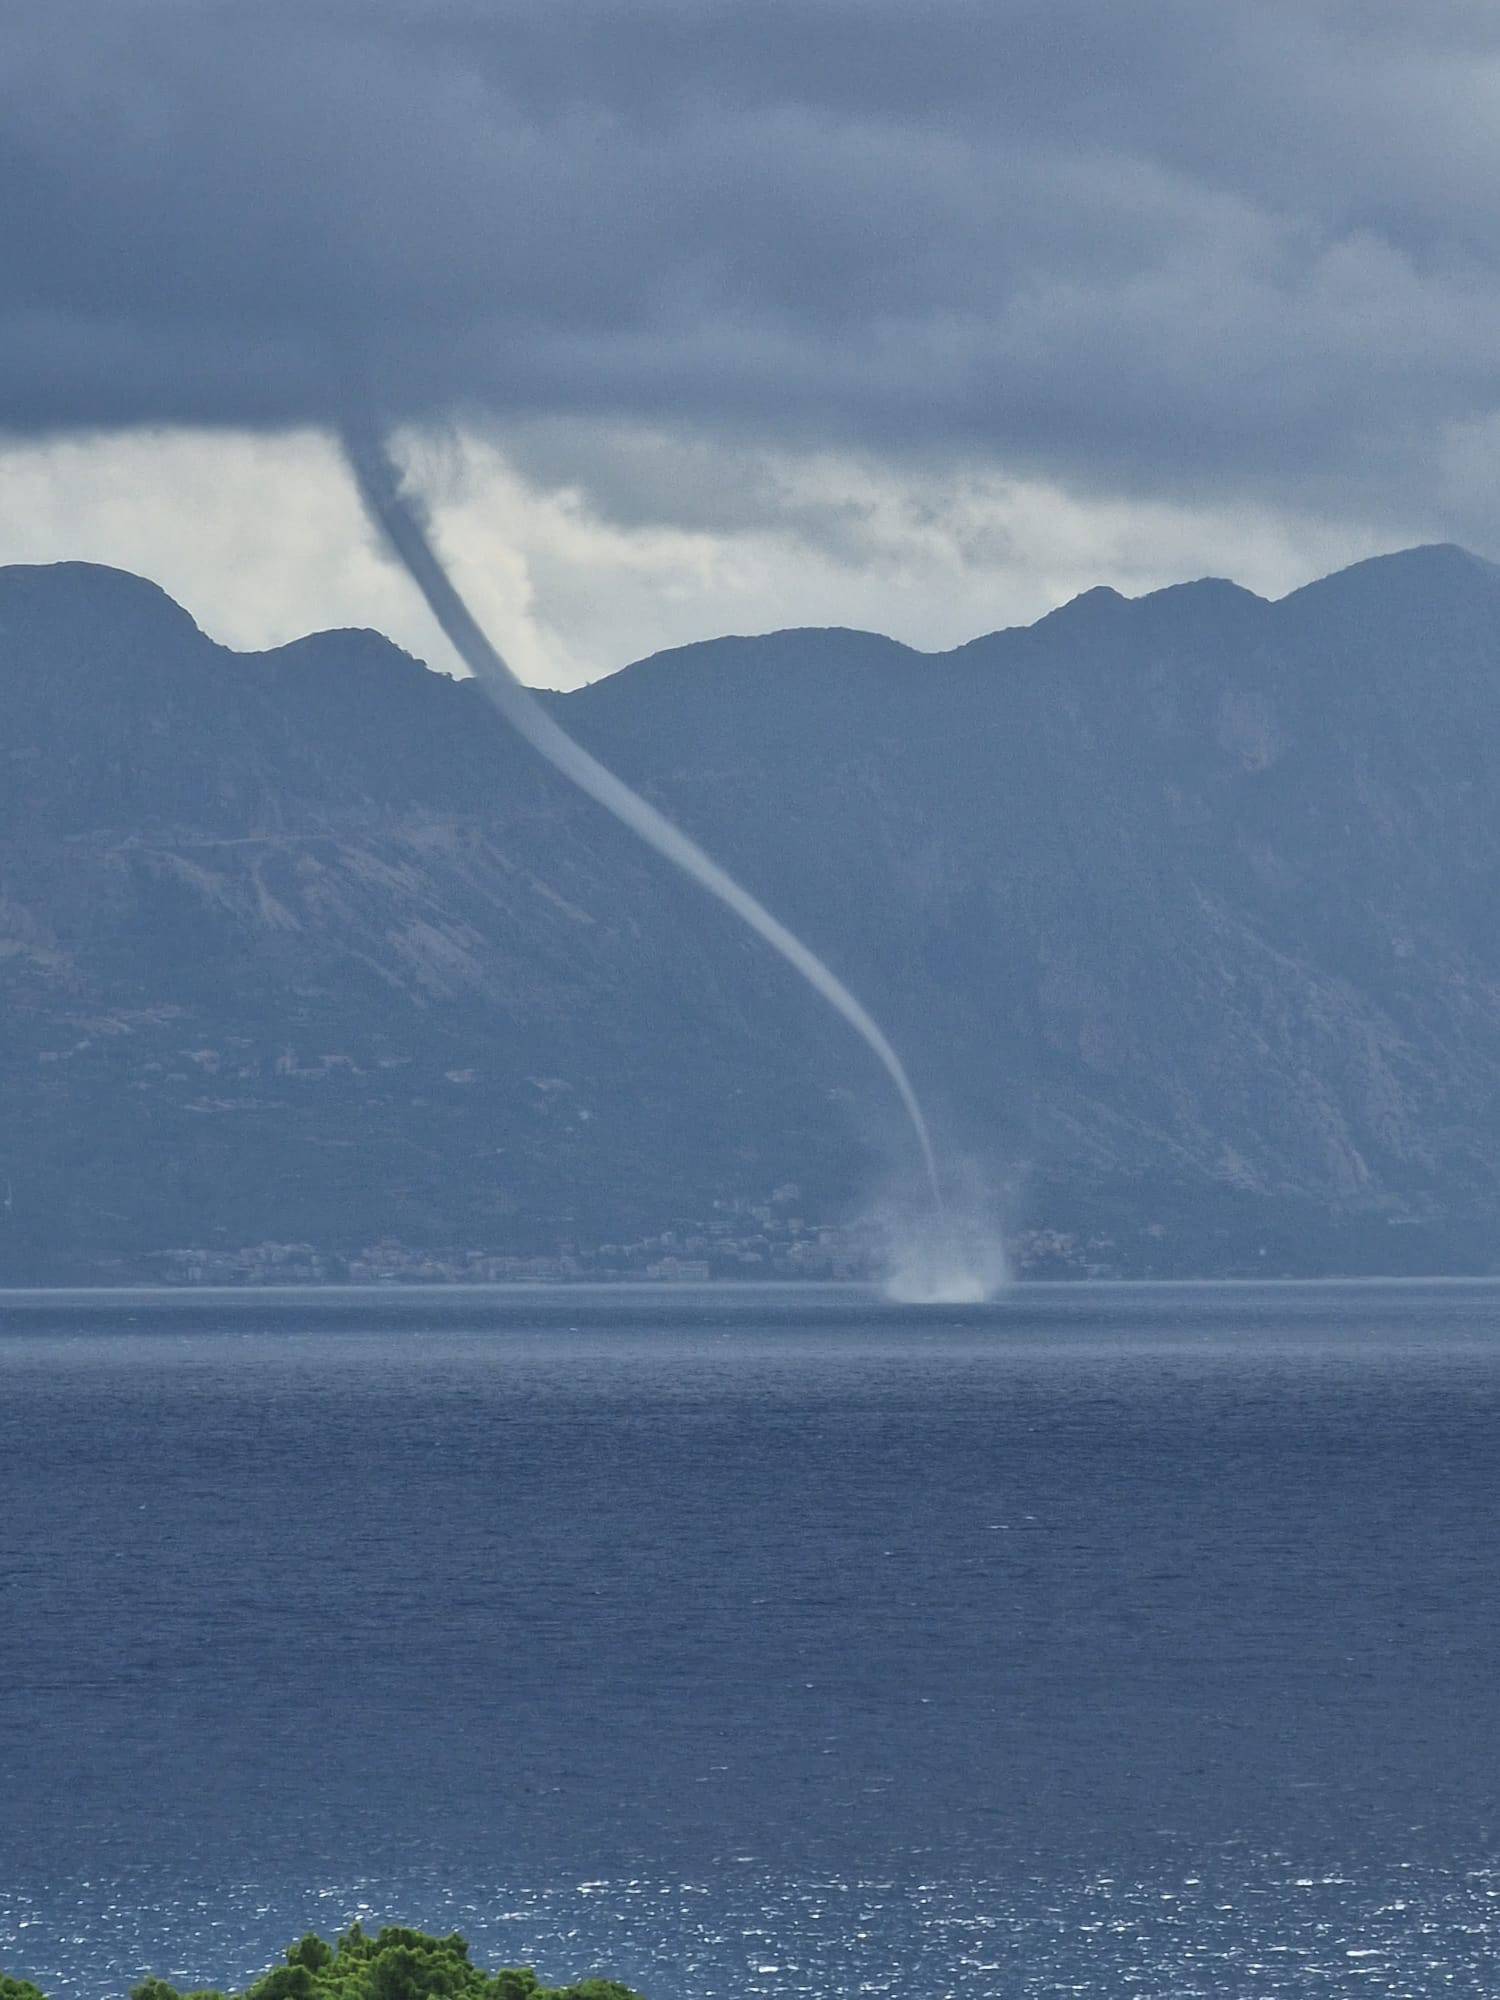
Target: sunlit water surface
1101,1641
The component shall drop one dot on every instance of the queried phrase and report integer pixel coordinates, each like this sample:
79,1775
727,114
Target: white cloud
261,538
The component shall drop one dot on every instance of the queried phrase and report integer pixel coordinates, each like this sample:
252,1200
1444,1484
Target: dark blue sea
1104,1641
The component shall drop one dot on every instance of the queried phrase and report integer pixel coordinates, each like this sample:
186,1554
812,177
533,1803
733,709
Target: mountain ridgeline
1180,910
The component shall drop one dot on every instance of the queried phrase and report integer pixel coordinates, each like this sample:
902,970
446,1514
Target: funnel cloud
380,486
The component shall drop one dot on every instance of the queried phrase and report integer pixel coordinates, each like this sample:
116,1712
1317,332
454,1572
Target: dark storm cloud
1146,244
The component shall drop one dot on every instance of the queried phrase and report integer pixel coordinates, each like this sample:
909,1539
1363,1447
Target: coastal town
766,1241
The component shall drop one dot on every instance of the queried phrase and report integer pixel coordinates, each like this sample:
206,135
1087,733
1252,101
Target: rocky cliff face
1181,910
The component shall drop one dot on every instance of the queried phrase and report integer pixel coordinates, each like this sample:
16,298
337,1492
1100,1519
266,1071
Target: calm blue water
1109,1640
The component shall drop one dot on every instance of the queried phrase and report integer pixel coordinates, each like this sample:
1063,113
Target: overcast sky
915,314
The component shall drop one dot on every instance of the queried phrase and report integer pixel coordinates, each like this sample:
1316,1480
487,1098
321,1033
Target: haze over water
781,1642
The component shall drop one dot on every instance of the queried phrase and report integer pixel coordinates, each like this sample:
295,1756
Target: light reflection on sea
1241,1927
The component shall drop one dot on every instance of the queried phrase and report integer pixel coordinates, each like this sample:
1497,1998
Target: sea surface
1131,1640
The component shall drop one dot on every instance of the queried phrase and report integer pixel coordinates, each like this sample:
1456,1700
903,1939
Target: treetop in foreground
395,1964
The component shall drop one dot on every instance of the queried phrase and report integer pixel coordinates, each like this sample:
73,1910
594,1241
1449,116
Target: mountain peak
1402,574
1202,590
86,580
1087,608
87,598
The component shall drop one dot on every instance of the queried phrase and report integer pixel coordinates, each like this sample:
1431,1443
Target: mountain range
1179,908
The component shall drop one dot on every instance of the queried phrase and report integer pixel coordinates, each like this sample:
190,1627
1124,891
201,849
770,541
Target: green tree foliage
395,1964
